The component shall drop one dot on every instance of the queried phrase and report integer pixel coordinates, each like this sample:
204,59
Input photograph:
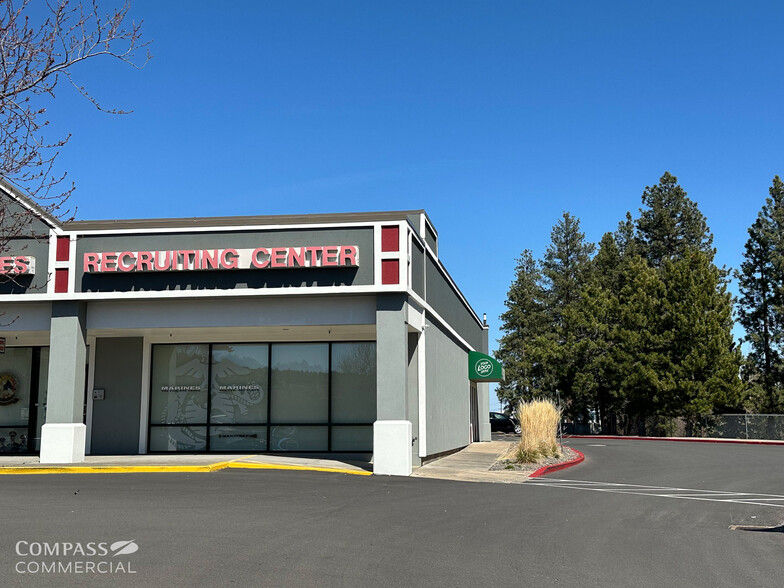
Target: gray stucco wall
448,305
414,220
392,353
431,239
25,317
418,269
17,215
447,392
483,392
412,395
118,371
222,312
226,279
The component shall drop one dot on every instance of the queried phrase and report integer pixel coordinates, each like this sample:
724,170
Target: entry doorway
23,378
474,414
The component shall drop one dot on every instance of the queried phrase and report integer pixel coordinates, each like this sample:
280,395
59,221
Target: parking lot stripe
752,498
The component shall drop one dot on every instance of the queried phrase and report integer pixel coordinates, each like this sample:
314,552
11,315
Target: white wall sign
17,265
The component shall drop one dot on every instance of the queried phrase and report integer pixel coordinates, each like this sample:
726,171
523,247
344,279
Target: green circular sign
484,367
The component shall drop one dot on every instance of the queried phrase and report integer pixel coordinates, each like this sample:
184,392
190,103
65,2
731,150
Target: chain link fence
719,426
744,426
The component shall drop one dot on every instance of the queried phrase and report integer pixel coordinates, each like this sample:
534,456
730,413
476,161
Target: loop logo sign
483,367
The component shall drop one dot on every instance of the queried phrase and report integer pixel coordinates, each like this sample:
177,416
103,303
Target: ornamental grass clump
539,437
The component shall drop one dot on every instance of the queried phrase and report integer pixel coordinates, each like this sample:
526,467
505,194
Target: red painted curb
548,469
676,439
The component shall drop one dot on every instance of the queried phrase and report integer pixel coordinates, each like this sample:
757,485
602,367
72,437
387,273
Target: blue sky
495,117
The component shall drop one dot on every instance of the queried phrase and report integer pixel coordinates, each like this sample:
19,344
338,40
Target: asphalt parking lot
620,518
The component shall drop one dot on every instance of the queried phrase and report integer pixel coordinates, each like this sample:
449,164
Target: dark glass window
263,397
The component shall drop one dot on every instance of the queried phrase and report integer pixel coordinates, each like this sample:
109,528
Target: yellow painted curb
213,467
272,466
112,469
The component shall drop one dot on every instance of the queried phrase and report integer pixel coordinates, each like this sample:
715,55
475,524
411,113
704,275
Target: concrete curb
214,467
682,439
269,466
549,469
113,469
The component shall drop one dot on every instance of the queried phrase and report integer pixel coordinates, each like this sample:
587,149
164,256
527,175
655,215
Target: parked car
503,423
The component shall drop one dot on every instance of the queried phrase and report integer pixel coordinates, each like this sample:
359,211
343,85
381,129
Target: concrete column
392,430
63,434
483,394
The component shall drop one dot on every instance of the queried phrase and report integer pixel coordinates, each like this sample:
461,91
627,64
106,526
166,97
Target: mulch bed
508,464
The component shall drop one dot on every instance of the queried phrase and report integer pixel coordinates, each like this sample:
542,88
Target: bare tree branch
34,57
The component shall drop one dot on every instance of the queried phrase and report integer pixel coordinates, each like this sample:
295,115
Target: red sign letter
348,256
91,263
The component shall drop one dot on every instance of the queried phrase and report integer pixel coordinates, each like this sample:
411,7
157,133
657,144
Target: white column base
392,448
63,442
484,432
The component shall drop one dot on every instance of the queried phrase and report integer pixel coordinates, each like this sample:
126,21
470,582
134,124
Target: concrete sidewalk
472,464
19,464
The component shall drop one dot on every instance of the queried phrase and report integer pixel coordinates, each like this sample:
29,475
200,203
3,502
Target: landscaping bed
508,462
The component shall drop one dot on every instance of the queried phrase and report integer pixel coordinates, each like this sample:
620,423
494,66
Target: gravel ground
507,464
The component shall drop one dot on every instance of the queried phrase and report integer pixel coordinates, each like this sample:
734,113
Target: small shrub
539,437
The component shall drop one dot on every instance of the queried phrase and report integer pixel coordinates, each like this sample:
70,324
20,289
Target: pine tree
566,267
625,238
671,224
761,302
593,318
538,348
565,263
596,320
639,351
694,365
696,327
525,323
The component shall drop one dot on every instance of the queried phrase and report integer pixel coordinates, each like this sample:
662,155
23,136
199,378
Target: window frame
329,424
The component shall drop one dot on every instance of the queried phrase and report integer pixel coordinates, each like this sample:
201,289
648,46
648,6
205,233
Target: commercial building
308,333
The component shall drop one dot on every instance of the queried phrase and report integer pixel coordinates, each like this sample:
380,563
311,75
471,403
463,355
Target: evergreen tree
565,264
593,318
641,329
639,350
525,323
566,267
596,320
696,327
538,346
761,302
671,224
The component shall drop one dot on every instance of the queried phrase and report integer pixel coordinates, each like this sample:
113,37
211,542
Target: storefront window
353,383
188,438
300,383
228,438
353,396
299,438
239,383
178,396
345,438
16,366
263,397
40,404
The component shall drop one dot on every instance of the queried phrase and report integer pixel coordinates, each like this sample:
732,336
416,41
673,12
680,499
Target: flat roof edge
238,221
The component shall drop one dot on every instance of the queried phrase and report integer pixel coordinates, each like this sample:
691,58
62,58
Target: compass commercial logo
92,557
